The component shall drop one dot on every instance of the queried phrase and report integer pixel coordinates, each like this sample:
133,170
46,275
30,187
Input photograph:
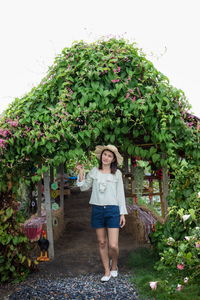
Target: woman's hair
113,165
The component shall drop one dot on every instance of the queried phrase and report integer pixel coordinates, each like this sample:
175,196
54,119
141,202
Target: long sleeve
86,183
121,195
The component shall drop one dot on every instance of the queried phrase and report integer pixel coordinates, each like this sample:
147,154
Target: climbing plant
178,240
103,92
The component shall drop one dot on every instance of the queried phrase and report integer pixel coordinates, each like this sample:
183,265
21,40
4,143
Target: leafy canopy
103,92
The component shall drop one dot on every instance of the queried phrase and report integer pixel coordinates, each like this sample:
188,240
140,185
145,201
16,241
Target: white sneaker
114,273
106,278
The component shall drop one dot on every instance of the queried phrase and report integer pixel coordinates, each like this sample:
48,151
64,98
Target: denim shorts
105,216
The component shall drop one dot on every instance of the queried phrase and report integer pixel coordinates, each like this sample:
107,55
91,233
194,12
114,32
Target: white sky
33,32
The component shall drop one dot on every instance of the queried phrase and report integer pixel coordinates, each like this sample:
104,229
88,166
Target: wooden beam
48,214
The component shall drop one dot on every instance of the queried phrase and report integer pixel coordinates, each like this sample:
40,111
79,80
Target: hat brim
99,149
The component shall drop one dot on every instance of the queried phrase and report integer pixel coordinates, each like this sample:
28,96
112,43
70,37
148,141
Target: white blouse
107,189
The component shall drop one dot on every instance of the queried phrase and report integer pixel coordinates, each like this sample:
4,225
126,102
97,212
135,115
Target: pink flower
3,143
133,99
186,280
179,287
4,132
127,95
180,266
13,123
117,70
115,80
153,285
197,244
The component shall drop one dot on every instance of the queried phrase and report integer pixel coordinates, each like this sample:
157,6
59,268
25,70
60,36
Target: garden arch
99,93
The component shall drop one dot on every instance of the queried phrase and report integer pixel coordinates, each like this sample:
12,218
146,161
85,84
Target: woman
108,204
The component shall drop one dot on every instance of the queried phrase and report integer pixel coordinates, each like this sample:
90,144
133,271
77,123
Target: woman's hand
80,170
122,221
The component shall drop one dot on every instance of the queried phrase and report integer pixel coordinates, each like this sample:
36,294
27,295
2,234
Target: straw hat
99,149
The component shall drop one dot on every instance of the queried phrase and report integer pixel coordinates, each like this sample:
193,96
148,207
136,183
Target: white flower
187,238
197,228
186,280
153,285
185,217
179,287
199,194
170,241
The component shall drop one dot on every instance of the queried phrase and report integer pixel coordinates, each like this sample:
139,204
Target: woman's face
107,157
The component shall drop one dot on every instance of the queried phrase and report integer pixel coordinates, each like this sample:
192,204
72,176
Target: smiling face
107,157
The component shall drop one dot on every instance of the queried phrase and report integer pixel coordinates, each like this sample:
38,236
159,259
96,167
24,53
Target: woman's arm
84,183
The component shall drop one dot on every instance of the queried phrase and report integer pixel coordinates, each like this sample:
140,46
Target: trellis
130,187
124,101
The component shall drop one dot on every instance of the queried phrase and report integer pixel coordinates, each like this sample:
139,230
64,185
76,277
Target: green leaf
130,149
125,129
9,212
155,157
152,150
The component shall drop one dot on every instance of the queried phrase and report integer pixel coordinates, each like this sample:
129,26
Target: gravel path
80,287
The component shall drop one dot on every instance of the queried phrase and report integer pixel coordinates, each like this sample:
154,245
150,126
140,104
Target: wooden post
39,188
161,199
61,175
133,181
51,175
126,172
165,188
48,214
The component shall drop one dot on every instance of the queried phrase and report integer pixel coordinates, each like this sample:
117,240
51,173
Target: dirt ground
76,251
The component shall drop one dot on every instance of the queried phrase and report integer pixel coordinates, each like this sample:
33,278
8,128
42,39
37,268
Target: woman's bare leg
103,248
113,238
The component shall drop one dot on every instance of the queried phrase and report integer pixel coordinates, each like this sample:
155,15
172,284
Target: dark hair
113,165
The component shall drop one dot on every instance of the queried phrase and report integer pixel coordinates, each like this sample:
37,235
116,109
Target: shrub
15,261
